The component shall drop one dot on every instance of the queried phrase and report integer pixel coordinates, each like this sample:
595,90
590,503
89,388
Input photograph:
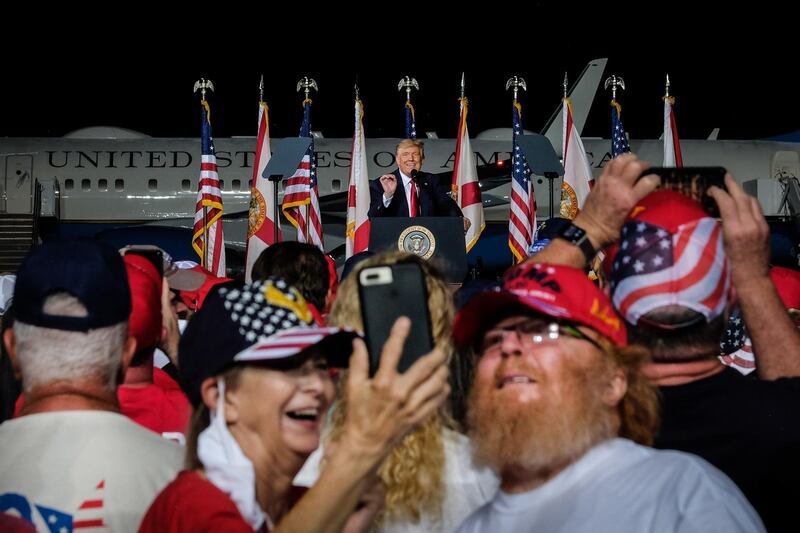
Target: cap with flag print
670,253
465,185
301,194
262,218
208,240
264,320
522,215
357,237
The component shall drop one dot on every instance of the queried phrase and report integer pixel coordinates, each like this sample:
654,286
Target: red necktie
412,211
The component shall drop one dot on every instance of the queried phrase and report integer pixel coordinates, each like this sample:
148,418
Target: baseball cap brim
486,308
334,343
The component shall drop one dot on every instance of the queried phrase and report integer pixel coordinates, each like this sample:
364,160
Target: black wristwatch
578,237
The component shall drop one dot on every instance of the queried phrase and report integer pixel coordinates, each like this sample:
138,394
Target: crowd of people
139,396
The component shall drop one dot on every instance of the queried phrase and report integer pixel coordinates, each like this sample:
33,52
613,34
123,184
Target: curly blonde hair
413,474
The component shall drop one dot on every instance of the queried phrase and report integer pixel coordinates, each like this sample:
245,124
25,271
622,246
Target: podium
440,239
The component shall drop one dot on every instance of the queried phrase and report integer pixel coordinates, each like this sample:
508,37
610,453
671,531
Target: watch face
573,232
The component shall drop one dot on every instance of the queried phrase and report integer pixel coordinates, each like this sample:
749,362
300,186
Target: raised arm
776,340
380,412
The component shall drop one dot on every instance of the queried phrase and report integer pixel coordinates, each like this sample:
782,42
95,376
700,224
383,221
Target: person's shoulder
192,503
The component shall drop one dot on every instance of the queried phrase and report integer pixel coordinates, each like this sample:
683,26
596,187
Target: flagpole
203,84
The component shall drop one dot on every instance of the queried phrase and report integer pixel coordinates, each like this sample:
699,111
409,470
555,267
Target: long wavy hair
413,474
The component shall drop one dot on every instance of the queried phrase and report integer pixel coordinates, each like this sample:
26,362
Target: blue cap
91,271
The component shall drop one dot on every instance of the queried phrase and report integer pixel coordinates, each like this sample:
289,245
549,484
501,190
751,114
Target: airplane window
152,184
119,185
221,184
186,185
236,185
86,184
336,185
69,184
102,184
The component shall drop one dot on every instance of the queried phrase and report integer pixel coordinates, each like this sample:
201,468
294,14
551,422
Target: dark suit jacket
434,198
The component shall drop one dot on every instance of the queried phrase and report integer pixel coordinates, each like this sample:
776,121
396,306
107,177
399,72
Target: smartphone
387,292
152,254
692,182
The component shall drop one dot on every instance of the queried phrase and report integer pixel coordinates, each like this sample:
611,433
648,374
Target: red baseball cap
557,291
144,323
193,284
787,283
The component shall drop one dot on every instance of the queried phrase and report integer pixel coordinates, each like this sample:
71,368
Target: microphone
415,175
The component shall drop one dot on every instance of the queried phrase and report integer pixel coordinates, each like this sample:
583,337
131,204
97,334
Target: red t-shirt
161,407
192,503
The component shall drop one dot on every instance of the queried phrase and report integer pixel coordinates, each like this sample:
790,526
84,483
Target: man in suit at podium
408,191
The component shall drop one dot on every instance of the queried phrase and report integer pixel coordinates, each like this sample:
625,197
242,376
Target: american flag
411,125
619,141
261,224
207,239
357,233
301,194
654,268
522,217
672,145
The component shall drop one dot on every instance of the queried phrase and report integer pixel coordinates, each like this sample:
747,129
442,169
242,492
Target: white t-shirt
620,487
466,488
82,469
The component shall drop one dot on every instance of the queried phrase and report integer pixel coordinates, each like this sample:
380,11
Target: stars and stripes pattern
736,349
654,268
301,193
411,124
287,343
261,223
578,178
465,186
357,233
522,216
672,145
207,239
90,512
619,141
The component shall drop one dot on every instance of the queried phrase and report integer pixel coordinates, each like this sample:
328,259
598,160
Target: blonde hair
407,143
638,410
413,474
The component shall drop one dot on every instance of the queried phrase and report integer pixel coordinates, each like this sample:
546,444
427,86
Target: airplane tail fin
582,95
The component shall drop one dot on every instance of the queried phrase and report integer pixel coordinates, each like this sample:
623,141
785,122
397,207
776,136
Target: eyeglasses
534,331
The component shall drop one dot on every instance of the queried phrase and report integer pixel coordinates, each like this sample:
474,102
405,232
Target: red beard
542,435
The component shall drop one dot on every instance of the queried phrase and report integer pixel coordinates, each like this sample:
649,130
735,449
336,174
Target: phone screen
156,257
692,182
386,293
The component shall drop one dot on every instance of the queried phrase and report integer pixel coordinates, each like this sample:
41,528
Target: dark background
735,70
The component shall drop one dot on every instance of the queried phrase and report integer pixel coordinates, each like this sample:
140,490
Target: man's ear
616,388
9,340
128,351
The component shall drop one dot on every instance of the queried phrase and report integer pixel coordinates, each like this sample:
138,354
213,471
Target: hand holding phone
386,293
693,182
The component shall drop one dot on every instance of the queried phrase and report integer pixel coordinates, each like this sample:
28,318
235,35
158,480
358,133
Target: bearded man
560,411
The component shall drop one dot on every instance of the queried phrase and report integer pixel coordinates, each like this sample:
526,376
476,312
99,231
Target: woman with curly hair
428,478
